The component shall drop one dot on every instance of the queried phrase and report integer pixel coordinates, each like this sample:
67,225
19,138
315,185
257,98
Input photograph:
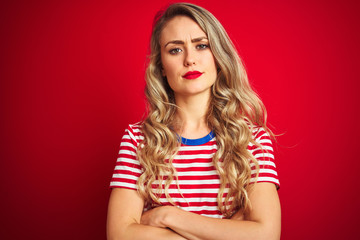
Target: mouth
192,75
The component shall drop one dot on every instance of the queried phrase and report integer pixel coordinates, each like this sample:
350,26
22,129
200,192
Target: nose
189,58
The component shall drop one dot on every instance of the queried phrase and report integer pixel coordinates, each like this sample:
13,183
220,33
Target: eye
175,51
202,46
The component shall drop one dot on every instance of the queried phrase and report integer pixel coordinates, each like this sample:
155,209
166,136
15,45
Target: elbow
269,236
115,236
268,233
263,231
112,236
121,231
116,233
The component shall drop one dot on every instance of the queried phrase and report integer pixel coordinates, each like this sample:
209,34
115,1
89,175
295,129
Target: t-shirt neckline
198,141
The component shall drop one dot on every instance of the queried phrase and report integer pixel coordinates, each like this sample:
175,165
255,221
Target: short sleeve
265,157
127,169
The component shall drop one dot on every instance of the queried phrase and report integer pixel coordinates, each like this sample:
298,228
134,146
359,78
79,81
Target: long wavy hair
233,111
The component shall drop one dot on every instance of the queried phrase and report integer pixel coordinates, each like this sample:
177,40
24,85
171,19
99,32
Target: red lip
192,75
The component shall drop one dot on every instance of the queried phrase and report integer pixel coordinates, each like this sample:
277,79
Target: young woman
200,166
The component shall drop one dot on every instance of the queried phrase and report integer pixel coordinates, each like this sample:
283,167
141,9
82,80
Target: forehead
180,28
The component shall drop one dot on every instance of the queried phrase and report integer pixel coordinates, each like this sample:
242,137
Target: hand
156,216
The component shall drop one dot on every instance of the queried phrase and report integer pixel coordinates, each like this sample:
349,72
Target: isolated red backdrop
71,79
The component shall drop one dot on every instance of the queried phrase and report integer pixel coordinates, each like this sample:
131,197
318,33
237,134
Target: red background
71,79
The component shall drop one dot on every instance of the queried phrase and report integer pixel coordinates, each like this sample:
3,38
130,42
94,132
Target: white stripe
263,147
197,173
188,165
265,179
182,200
192,182
197,148
194,156
129,160
189,191
131,135
127,176
259,155
122,184
209,208
126,136
265,171
127,144
128,152
126,168
136,130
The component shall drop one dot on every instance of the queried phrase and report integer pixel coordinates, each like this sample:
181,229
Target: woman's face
187,61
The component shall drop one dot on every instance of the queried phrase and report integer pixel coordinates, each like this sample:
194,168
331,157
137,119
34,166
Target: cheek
212,62
170,68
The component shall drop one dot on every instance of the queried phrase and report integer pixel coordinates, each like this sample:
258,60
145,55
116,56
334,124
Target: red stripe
132,165
191,204
259,133
123,187
270,159
208,212
123,180
261,151
190,186
126,172
195,169
125,140
195,177
205,177
197,160
196,152
265,175
124,155
127,148
192,195
267,166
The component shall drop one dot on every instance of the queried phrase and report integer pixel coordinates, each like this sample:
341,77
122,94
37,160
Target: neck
191,115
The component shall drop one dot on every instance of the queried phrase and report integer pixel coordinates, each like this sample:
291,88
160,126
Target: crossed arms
127,221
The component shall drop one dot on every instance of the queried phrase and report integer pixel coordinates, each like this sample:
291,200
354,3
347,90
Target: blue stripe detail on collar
199,141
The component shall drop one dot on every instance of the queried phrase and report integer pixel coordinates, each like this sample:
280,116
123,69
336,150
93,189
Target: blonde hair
233,111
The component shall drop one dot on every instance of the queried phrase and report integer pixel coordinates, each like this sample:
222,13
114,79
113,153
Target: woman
187,171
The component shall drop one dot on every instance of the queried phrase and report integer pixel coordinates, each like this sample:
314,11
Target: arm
123,221
262,222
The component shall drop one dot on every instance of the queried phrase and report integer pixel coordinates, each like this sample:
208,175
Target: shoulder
135,128
134,133
260,135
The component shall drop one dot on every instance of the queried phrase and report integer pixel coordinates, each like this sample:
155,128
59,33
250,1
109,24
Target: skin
184,48
183,51
261,222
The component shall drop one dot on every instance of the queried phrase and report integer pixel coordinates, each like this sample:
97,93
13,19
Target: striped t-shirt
198,179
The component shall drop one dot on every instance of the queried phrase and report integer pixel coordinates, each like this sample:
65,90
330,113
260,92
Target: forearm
261,222
196,227
135,231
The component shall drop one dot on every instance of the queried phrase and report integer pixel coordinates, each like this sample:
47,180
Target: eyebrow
199,39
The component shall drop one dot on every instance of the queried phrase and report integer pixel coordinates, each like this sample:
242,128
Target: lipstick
192,75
